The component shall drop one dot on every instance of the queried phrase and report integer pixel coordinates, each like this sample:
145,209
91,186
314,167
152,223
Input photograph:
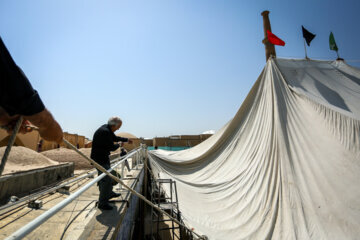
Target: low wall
20,184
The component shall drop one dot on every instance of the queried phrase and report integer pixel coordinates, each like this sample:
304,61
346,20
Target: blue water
169,148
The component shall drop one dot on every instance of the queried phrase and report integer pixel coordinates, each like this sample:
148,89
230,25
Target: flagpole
338,54
306,57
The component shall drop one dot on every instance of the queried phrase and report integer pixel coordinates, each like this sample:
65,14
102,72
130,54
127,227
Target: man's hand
49,129
8,123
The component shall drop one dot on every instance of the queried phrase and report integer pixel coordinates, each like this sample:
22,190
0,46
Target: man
103,143
18,98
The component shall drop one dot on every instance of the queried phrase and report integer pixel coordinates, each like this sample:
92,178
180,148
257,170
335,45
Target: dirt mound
86,151
68,155
23,159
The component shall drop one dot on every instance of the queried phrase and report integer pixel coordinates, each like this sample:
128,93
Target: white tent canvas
287,166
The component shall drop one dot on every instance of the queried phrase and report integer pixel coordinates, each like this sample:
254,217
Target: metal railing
28,228
13,205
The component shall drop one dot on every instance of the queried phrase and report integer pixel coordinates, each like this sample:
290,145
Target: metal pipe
99,167
42,193
22,232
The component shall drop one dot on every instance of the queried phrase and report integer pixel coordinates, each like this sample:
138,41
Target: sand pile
23,159
68,155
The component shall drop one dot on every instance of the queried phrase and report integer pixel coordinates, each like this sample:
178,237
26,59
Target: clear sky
165,67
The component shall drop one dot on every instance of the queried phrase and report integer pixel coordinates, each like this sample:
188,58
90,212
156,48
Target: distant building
32,139
136,141
74,139
29,140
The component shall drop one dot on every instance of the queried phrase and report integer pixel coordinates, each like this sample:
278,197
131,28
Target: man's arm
17,97
121,139
49,128
114,147
110,141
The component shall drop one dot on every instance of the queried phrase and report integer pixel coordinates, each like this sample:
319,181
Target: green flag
332,42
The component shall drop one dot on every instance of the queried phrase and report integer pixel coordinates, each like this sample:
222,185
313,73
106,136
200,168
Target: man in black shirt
18,98
102,145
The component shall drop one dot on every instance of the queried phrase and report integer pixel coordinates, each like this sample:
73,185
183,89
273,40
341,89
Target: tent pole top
269,48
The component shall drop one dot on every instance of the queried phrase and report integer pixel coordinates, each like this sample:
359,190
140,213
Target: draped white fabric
287,166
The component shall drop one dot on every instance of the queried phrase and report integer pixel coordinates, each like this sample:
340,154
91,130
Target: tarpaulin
287,166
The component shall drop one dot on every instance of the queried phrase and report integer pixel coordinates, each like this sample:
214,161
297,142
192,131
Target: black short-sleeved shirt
16,93
103,143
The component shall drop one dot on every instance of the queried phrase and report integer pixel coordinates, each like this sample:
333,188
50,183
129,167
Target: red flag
274,39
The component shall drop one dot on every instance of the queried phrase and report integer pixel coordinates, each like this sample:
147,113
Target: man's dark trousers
105,187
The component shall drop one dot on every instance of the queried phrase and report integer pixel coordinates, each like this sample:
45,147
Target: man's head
114,123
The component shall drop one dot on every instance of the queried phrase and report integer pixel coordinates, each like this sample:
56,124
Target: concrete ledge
106,225
21,183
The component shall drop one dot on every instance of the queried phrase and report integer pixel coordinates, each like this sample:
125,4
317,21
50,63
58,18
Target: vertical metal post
23,231
122,170
119,186
306,57
177,208
172,209
137,160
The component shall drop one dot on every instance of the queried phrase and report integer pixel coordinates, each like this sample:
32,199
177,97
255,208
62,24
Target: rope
67,223
99,167
74,218
10,143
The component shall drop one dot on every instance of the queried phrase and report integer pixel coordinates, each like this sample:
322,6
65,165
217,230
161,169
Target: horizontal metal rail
14,205
99,167
22,232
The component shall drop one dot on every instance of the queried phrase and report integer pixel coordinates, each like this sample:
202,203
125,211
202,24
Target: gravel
62,155
23,159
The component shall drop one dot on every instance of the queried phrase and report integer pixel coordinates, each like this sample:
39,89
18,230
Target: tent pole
306,57
269,48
